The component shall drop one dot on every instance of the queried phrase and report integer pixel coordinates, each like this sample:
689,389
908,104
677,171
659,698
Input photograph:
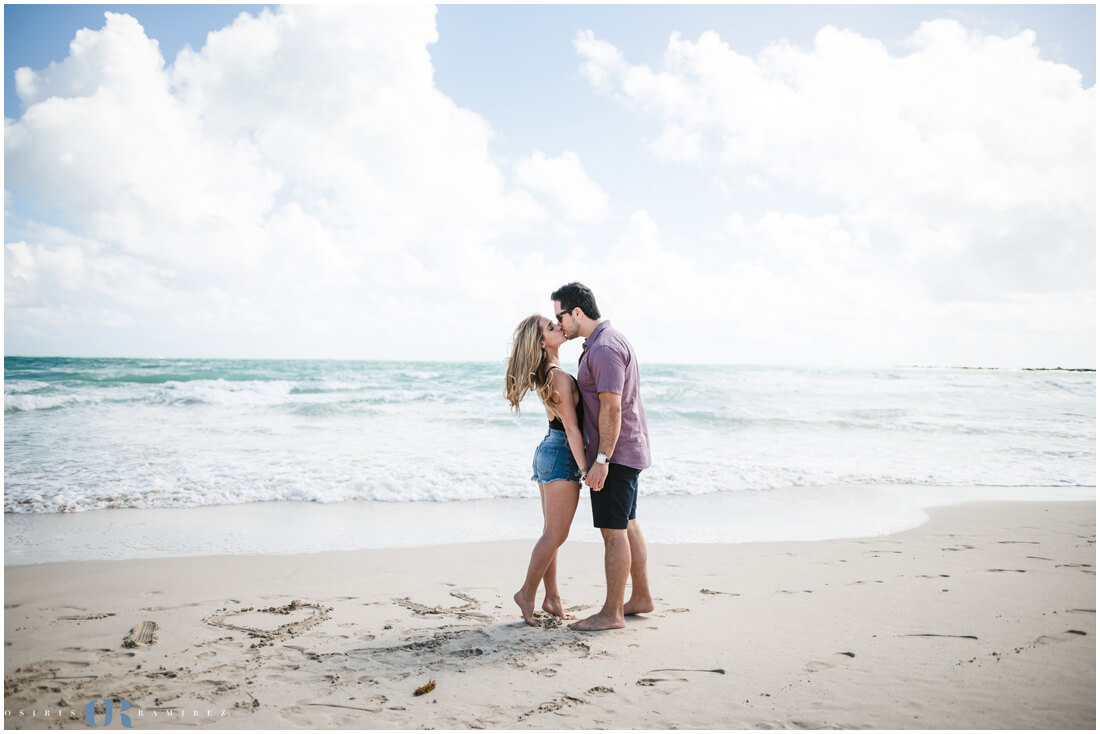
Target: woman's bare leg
559,504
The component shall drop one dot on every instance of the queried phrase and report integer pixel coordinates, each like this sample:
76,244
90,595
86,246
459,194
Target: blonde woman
559,463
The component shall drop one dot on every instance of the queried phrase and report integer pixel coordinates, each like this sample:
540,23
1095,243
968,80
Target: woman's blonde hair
527,368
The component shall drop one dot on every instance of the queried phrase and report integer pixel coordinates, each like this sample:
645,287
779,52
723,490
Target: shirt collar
592,338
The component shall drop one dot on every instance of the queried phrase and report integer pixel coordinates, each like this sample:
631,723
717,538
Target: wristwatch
602,458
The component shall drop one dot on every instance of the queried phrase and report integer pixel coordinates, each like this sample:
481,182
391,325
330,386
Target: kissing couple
598,436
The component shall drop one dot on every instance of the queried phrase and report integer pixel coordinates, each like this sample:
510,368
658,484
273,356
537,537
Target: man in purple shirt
617,449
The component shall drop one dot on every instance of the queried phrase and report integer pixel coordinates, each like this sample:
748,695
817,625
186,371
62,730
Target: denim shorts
554,460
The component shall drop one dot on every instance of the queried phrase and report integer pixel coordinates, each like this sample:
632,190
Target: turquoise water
83,434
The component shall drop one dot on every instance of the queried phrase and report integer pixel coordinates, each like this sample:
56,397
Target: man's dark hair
577,295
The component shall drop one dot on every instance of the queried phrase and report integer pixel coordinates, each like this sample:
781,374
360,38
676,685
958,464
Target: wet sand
984,617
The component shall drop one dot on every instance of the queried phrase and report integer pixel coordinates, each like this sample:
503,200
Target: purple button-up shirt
608,364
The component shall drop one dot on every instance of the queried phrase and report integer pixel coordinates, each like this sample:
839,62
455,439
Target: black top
556,424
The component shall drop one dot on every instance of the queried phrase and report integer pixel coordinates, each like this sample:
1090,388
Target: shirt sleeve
608,370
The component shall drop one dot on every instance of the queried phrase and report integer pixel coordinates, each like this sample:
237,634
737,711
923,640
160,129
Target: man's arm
610,422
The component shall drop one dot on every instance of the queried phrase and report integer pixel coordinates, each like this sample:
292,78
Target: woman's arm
566,409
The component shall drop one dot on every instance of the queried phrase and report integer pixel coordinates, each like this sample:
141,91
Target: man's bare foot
526,606
553,606
638,606
599,621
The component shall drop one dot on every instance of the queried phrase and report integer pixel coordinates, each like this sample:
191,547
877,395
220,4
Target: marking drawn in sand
1064,637
177,606
283,632
1019,542
709,592
48,670
86,617
926,634
655,681
938,576
962,547
345,706
459,611
1007,570
143,634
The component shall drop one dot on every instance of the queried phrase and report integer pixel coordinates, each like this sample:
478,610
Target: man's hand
597,475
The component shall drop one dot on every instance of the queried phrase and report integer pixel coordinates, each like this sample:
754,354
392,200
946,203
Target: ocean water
89,434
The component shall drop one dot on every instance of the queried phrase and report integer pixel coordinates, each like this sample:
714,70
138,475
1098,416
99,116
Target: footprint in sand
144,634
553,706
816,666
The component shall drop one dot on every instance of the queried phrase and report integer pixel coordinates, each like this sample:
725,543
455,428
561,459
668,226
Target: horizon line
493,361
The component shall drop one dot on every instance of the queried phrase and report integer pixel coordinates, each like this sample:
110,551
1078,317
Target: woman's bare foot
526,606
553,606
599,621
638,606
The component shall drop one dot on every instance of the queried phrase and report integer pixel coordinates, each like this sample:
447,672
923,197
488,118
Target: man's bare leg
640,601
616,564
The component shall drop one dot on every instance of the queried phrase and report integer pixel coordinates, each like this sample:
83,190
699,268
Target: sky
828,185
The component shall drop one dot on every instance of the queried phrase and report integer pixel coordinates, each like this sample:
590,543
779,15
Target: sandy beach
984,617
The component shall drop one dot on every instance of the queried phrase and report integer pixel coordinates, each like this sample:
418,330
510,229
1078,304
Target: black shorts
617,502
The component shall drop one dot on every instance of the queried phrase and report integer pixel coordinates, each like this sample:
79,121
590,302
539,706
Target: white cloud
300,187
265,192
605,62
971,133
960,178
564,181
